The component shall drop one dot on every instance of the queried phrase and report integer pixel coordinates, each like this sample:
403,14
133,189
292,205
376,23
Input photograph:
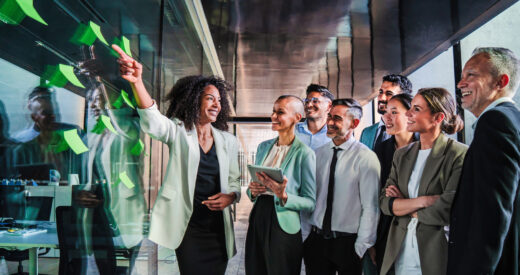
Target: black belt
332,234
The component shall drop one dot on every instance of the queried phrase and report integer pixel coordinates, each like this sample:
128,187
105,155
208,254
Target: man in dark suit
485,222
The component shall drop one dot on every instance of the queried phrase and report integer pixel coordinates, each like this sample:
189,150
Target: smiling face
395,118
340,124
420,118
209,105
284,116
478,86
387,90
316,106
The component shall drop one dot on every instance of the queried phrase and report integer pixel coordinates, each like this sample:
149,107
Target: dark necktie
327,220
381,137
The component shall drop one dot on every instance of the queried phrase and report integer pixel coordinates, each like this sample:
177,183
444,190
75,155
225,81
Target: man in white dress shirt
346,215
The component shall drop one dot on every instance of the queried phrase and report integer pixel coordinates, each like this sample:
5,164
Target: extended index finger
120,51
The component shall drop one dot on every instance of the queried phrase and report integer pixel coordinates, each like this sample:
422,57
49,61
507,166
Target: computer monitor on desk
35,171
18,203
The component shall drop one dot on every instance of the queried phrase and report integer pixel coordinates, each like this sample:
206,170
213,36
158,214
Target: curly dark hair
184,100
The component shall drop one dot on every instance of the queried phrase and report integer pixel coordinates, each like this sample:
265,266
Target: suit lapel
294,148
433,163
193,159
406,168
220,147
264,151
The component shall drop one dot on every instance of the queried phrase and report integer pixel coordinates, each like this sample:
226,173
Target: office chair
72,261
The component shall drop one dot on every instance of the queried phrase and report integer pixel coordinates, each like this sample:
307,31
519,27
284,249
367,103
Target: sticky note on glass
124,44
123,97
102,124
123,177
137,149
60,75
87,34
74,141
14,11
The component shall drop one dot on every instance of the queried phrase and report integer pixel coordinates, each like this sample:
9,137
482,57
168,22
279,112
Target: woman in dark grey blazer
421,187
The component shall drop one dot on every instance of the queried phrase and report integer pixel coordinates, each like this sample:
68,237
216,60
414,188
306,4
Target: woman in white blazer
192,213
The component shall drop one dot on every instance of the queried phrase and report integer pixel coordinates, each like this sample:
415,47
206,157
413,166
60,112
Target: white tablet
274,173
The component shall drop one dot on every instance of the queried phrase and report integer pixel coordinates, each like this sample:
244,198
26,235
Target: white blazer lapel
223,161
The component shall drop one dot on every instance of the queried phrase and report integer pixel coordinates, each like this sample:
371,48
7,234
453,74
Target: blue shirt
314,141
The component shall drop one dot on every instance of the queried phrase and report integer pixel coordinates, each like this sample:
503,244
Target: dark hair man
344,223
393,84
313,131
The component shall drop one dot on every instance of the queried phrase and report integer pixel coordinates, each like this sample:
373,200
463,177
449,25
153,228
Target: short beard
380,111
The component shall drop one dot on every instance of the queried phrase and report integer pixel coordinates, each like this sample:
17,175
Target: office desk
32,243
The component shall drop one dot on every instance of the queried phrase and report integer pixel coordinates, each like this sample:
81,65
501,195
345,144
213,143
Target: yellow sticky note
74,141
123,177
68,72
97,31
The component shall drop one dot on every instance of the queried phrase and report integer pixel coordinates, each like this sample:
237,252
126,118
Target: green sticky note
14,11
97,31
54,76
137,149
124,44
118,103
127,100
61,144
68,73
102,124
28,8
83,35
123,177
74,141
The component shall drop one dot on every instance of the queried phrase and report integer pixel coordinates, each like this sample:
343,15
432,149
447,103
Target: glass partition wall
78,177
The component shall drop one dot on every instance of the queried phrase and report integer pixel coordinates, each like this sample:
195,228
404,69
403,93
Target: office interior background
263,48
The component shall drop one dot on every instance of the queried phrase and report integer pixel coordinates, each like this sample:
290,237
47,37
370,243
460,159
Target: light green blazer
174,205
299,166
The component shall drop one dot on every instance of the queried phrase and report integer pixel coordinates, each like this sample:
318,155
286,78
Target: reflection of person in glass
274,239
118,210
5,144
192,213
40,141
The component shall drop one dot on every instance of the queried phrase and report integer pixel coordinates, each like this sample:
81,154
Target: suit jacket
174,205
440,177
299,166
368,135
484,235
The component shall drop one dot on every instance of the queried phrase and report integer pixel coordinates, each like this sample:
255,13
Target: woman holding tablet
191,213
274,241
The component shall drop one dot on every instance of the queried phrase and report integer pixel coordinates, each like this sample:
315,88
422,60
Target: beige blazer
440,177
174,205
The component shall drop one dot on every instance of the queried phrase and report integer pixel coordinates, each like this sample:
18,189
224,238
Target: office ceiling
269,47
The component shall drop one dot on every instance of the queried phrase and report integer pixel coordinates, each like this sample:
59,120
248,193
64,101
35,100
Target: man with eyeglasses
313,131
393,84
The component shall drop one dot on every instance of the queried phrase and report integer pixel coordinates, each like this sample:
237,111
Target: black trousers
326,257
202,252
270,250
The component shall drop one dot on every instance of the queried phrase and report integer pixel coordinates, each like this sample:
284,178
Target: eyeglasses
313,100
